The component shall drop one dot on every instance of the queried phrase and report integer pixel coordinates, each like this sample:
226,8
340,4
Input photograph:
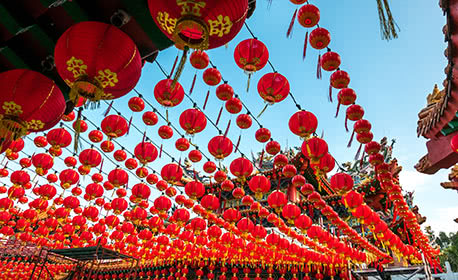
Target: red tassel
351,139
318,68
128,127
304,52
227,128
219,115
358,152
108,109
262,159
362,159
238,143
193,83
174,65
206,99
101,165
160,151
337,111
330,93
346,123
291,24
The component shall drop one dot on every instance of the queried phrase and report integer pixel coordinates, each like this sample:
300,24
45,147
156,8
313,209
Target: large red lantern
199,25
341,183
92,74
241,168
168,94
303,123
68,177
220,147
141,192
314,149
193,121
118,177
194,189
42,163
114,126
59,138
251,55
90,158
260,185
145,152
210,202
30,102
277,200
171,173
273,87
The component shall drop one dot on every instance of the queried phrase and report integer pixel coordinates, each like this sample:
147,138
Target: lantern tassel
238,143
261,159
174,65
330,93
263,110
337,111
76,137
167,116
318,69
351,139
180,66
206,99
101,166
130,123
362,159
346,123
388,26
358,151
304,52
248,82
227,128
160,151
193,83
219,115
291,24
108,109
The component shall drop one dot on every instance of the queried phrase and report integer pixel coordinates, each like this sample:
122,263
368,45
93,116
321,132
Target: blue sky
391,79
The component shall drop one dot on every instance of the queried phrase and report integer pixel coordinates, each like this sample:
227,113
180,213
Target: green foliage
449,248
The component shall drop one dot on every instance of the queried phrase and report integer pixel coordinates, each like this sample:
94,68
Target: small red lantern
277,200
194,189
120,155
42,162
182,144
90,158
150,118
195,156
168,94
251,55
114,126
273,87
224,92
244,121
314,148
210,202
145,152
141,192
199,59
262,135
165,132
227,185
372,148
319,38
209,167
289,171
95,136
280,161
171,173
241,168
259,185
341,183
330,61
136,104
220,176
273,147
340,79
308,15
290,212
68,177
40,141
193,121
212,76
131,163
234,105
303,123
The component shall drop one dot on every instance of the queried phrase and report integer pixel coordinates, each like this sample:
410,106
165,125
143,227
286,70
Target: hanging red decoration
280,161
193,121
40,141
194,189
165,132
114,126
241,168
182,144
168,94
95,136
251,55
262,135
212,76
171,173
68,177
220,147
273,87
259,185
273,147
145,152
136,104
199,59
90,158
150,118
277,200
19,115
314,148
42,162
341,183
209,167
97,75
141,192
204,26
220,176
234,105
290,212
319,38
210,202
340,79
120,155
303,123
227,185
195,156
224,92
330,61
244,121
308,15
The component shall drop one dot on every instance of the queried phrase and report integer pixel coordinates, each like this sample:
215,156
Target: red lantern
224,92
95,136
273,147
291,212
195,156
92,74
341,183
40,141
244,121
454,143
241,168
303,222
330,61
136,104
259,185
141,192
354,113
209,167
326,164
145,152
210,202
168,94
194,189
93,191
289,171
227,185
303,123
118,177
171,173
220,147
131,164
165,132
364,137
262,135
220,176
69,117
273,87
319,38
212,76
340,79
114,126
308,15
251,55
149,118
277,200
19,115
298,181
314,148
372,148
182,144
199,59
234,105
162,204
199,26
120,155
280,161
107,146
193,121
68,177
90,158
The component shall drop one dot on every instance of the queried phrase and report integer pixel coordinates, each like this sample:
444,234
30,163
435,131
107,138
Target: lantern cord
291,24
180,66
238,143
346,123
263,110
388,26
304,52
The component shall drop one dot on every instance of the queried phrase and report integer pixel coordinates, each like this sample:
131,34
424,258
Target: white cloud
411,180
442,219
